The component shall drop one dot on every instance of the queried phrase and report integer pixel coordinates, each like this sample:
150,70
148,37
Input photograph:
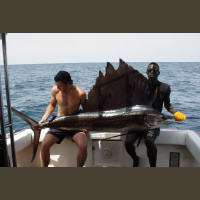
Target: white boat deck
111,153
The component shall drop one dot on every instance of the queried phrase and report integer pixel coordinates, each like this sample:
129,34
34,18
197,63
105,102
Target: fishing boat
176,148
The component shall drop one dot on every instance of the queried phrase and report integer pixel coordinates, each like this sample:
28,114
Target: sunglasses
154,70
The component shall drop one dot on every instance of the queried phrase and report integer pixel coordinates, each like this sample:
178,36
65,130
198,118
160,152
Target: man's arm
167,103
171,109
83,98
51,107
178,115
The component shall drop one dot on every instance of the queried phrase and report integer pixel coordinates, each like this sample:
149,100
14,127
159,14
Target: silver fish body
139,117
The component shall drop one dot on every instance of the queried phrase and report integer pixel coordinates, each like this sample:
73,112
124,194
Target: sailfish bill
119,101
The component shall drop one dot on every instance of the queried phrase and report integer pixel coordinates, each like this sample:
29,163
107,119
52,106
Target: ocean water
30,87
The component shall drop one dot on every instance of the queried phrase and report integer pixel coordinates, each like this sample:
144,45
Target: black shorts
152,134
147,135
61,134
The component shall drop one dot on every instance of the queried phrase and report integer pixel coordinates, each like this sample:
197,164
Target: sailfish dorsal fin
119,88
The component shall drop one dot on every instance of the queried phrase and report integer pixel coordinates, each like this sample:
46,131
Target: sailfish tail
33,126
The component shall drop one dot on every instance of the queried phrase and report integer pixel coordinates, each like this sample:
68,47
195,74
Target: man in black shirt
162,96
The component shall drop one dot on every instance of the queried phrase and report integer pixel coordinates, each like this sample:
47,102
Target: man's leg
130,148
48,141
151,147
81,141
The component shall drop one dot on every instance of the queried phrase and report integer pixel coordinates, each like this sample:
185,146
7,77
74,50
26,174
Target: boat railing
3,136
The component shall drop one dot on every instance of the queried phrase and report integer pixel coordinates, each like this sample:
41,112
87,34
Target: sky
41,48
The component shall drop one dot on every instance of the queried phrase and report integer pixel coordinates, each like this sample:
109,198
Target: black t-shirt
162,97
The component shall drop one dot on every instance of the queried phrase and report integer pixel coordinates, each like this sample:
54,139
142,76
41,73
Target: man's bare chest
67,99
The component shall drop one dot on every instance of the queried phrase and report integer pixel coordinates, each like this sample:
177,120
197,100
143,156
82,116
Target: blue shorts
61,134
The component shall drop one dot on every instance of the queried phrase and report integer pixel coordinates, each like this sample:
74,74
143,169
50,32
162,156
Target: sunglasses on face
154,70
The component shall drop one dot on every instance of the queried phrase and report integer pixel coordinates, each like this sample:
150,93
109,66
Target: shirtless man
68,97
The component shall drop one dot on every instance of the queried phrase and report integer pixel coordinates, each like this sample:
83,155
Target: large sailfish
119,101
